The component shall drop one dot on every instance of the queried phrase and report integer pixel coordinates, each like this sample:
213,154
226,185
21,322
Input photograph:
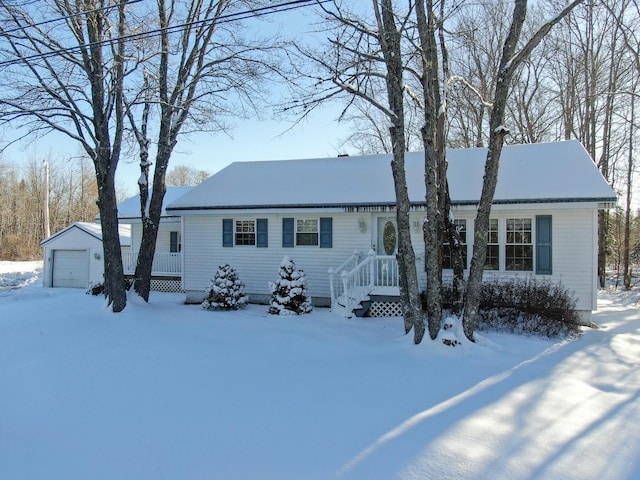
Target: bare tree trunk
433,147
627,213
389,38
497,131
107,154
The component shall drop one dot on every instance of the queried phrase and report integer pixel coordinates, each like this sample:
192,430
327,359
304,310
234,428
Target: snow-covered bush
288,293
525,305
225,291
97,288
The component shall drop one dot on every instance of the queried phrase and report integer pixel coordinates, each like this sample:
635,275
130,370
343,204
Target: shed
73,257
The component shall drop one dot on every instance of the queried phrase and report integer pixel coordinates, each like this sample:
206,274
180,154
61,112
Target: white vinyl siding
574,249
574,252
203,252
163,241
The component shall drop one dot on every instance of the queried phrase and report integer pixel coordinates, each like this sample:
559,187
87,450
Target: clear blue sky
320,135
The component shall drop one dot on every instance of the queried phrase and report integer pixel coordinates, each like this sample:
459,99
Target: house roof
531,173
93,230
130,208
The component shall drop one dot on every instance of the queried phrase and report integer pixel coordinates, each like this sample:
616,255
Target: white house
328,214
73,257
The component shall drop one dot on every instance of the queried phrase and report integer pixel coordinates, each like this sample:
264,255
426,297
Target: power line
68,17
231,17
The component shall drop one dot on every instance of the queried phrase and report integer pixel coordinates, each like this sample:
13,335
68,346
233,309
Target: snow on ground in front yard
171,391
19,274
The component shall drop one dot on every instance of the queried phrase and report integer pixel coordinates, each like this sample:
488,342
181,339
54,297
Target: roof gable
130,208
544,172
93,230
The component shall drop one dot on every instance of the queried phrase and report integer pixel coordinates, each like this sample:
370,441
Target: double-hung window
245,232
519,244
492,260
447,260
307,232
316,232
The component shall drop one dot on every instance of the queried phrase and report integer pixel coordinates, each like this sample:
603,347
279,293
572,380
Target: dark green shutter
326,232
262,237
227,232
287,232
173,242
543,245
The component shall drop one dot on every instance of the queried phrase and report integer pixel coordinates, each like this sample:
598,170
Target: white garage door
70,268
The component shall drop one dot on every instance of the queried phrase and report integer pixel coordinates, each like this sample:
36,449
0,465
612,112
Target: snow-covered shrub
97,288
225,291
525,305
288,293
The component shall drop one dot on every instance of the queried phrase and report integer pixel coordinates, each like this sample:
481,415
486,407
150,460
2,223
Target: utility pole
47,232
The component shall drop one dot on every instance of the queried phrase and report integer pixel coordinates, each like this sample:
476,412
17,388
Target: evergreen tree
288,294
225,291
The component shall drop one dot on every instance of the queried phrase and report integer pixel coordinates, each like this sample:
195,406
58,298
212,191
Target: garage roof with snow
529,173
93,230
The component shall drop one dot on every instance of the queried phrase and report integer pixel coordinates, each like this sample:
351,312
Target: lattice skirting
385,309
166,285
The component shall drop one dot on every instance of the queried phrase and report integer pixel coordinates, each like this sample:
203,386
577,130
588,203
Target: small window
447,261
245,232
175,244
519,245
492,261
307,232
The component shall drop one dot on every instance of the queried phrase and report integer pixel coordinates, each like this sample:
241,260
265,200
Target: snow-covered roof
93,230
531,173
130,208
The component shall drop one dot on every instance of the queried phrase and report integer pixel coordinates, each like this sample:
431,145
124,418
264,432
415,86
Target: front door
386,249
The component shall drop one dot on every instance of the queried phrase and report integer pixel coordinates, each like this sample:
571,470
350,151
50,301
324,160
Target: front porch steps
379,306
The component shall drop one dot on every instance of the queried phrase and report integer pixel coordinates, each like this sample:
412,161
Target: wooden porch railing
354,280
163,263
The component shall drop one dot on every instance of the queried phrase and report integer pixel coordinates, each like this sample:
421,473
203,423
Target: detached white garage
73,257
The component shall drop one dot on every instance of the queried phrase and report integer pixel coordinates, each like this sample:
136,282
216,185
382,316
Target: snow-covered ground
18,274
171,391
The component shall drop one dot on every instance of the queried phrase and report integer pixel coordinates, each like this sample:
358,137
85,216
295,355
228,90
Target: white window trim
295,231
254,233
502,242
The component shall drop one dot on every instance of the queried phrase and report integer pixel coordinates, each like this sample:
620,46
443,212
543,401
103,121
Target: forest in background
72,198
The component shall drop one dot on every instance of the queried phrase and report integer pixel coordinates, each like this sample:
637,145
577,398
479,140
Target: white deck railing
354,280
163,263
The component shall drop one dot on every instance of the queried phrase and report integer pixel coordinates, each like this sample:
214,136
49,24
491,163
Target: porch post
332,275
372,261
347,294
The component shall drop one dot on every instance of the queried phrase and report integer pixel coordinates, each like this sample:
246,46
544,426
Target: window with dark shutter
262,235
326,232
227,232
288,232
543,245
